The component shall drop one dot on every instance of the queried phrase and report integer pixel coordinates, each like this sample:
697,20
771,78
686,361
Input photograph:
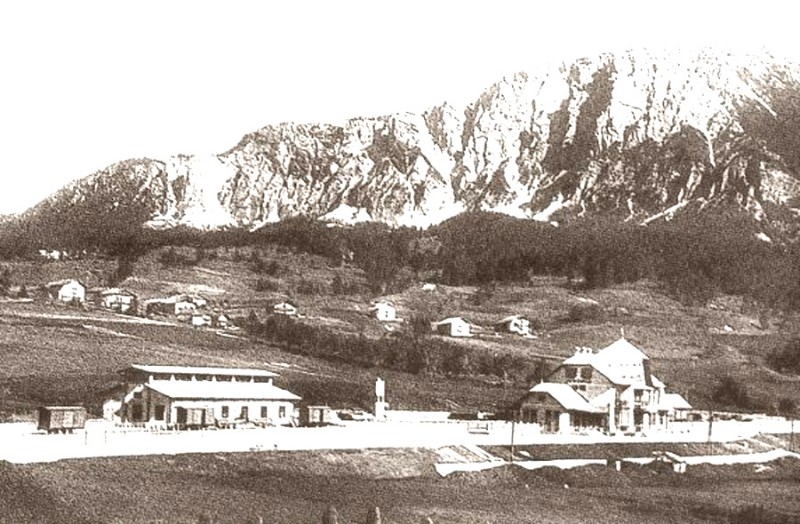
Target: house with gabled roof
383,311
516,324
178,305
67,290
619,390
453,327
116,299
285,308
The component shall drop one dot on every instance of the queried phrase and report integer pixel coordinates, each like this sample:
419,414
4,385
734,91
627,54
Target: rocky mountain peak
639,134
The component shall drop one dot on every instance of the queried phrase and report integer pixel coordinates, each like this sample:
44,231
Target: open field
72,360
297,487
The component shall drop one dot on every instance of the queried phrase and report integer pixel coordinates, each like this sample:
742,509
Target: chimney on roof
622,332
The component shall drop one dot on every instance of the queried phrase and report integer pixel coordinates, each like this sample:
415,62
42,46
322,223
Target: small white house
117,300
201,320
69,290
677,406
514,324
185,305
285,308
429,287
175,305
222,321
453,327
198,301
383,311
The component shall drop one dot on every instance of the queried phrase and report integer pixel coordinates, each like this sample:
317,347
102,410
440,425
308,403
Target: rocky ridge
639,135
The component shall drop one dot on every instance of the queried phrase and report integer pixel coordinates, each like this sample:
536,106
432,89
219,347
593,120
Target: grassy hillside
53,359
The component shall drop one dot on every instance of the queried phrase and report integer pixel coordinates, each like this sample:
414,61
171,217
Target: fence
21,443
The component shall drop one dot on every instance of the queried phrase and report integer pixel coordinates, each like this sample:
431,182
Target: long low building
185,396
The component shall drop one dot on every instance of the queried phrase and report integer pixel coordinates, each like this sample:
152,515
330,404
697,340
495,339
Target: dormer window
582,373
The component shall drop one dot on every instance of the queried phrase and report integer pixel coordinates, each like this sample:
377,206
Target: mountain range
639,135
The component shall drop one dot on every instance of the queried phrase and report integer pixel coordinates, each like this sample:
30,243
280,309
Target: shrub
757,514
307,287
731,392
584,312
786,359
263,285
171,258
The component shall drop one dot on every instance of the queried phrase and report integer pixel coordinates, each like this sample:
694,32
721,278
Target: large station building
194,397
613,390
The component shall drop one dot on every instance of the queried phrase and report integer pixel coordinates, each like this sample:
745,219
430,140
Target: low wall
417,416
715,460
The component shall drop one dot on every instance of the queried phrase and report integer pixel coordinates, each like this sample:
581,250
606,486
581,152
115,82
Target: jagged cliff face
637,134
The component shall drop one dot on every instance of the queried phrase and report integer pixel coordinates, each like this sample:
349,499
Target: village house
200,320
117,299
285,308
453,327
178,305
514,324
383,311
68,290
187,396
612,390
222,321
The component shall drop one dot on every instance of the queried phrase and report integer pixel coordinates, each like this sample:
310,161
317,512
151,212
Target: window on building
159,412
281,411
243,414
570,373
263,411
136,412
137,394
225,412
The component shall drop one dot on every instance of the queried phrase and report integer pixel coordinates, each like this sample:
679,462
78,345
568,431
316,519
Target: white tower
380,399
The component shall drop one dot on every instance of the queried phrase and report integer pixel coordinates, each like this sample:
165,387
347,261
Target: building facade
69,290
384,312
453,327
187,397
118,300
285,308
514,324
611,390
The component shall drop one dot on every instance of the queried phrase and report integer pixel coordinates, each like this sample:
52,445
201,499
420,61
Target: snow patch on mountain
345,214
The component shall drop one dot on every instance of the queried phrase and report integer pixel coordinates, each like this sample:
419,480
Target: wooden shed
61,419
316,416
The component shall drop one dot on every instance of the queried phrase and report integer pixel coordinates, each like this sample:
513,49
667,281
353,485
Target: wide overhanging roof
569,399
210,390
200,370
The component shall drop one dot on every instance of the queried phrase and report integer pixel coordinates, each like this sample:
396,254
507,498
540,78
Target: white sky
86,83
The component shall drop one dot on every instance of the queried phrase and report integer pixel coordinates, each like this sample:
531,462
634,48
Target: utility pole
710,425
513,424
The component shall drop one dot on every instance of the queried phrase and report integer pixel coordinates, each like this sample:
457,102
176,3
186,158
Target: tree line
694,256
411,350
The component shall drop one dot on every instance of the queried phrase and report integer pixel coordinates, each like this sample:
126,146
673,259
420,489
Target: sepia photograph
382,262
